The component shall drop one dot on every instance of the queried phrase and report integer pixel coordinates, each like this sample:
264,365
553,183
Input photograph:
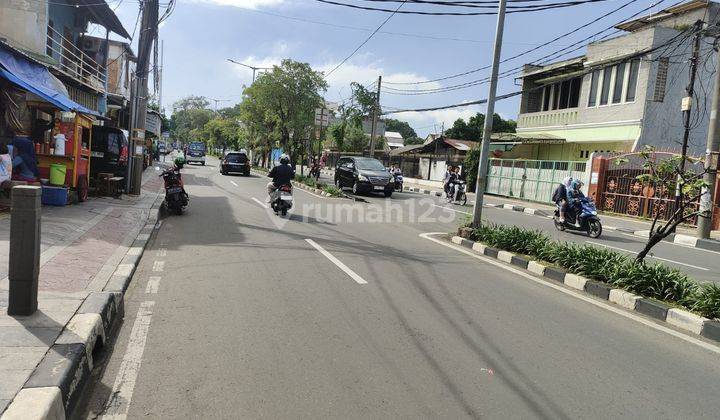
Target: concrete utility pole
711,160
687,105
487,129
160,71
376,111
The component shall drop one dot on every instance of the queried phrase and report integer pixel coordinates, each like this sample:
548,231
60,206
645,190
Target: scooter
587,219
398,181
176,198
281,200
458,193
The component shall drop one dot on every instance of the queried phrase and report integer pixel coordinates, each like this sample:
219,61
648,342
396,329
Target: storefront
51,133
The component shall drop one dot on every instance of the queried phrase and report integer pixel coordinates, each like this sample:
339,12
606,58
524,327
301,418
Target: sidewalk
84,247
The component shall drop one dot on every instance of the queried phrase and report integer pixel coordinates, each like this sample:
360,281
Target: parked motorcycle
457,193
175,196
586,221
281,200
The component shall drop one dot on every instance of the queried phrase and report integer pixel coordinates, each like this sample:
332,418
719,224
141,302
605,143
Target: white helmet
284,159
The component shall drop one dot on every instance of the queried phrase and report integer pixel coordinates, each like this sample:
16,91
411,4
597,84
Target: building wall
62,17
23,22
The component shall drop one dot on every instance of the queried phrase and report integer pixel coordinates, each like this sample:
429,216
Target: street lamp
253,68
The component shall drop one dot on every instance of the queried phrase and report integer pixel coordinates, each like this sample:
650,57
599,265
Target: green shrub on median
656,281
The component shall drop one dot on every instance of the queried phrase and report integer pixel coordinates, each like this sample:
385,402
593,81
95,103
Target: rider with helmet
281,174
574,195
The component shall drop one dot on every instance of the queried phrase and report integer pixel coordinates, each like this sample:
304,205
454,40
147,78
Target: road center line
153,284
451,209
649,256
122,391
343,267
707,346
263,205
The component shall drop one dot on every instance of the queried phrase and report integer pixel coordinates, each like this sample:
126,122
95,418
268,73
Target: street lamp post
253,68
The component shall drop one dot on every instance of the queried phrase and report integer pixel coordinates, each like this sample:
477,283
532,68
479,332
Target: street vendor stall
72,164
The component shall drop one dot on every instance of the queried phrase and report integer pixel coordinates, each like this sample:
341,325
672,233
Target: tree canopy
404,129
472,129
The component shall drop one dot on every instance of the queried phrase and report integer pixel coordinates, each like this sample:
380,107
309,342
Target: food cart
77,129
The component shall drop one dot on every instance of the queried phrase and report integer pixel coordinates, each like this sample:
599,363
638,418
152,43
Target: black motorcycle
456,193
176,199
397,175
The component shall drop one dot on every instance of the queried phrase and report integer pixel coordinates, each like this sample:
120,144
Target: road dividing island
674,321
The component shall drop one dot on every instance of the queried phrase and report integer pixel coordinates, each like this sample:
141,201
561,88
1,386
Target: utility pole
253,68
687,106
707,200
376,111
487,129
148,28
162,68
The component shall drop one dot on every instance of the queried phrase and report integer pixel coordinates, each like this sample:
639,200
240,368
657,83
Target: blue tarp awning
36,79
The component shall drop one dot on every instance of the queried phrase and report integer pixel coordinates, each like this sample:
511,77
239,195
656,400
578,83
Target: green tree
355,139
283,101
473,129
402,127
189,118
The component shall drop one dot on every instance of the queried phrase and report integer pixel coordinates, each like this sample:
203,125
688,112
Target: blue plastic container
54,196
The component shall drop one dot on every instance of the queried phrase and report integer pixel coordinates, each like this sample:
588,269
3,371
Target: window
546,98
574,99
661,79
592,99
556,96
619,80
564,94
605,91
632,80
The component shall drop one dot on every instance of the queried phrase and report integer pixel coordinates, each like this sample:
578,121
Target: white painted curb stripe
36,403
685,240
343,267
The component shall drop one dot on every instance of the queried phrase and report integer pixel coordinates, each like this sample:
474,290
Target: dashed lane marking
337,262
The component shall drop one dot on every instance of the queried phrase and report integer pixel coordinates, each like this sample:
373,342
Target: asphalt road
344,311
700,264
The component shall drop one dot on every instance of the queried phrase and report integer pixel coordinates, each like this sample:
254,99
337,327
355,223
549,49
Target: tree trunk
652,241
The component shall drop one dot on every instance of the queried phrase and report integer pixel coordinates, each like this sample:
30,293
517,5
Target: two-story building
52,33
623,94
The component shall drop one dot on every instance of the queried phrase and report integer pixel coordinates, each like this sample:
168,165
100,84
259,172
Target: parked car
364,175
109,151
236,162
195,153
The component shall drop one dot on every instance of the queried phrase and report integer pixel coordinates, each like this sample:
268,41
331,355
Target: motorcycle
175,196
315,172
281,200
398,180
458,193
587,219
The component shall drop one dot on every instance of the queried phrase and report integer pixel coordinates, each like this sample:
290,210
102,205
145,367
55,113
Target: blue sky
201,34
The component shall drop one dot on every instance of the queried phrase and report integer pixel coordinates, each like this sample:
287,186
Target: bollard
24,264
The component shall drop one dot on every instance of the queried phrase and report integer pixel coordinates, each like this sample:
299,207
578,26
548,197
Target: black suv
235,162
363,174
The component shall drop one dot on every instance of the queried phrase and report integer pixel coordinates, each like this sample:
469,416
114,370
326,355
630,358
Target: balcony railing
548,118
75,63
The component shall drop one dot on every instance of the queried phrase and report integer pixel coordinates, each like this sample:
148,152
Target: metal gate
621,191
533,180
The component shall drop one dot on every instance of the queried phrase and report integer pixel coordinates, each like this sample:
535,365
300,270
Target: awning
36,79
102,14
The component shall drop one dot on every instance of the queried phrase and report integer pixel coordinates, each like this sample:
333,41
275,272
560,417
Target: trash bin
57,174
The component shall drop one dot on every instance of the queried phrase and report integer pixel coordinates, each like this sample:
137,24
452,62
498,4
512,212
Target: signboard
153,123
322,117
166,134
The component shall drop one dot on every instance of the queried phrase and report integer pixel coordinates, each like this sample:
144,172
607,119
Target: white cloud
249,4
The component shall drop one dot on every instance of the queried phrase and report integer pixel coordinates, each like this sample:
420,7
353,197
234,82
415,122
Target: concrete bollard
24,264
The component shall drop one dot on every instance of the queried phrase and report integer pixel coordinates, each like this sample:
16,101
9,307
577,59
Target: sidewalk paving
82,246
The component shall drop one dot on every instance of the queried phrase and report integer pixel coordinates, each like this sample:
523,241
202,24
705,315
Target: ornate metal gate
623,193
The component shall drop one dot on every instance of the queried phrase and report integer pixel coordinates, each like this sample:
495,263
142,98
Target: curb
679,239
677,318
56,384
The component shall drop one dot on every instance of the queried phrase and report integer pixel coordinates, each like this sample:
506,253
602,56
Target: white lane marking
234,183
153,284
343,267
638,238
649,256
308,192
598,303
158,266
162,252
122,391
263,205
451,209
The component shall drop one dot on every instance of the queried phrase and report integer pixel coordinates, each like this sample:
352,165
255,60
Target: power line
488,4
416,12
365,41
579,28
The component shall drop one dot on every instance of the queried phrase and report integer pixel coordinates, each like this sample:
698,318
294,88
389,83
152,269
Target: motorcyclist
450,178
281,175
559,196
574,195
